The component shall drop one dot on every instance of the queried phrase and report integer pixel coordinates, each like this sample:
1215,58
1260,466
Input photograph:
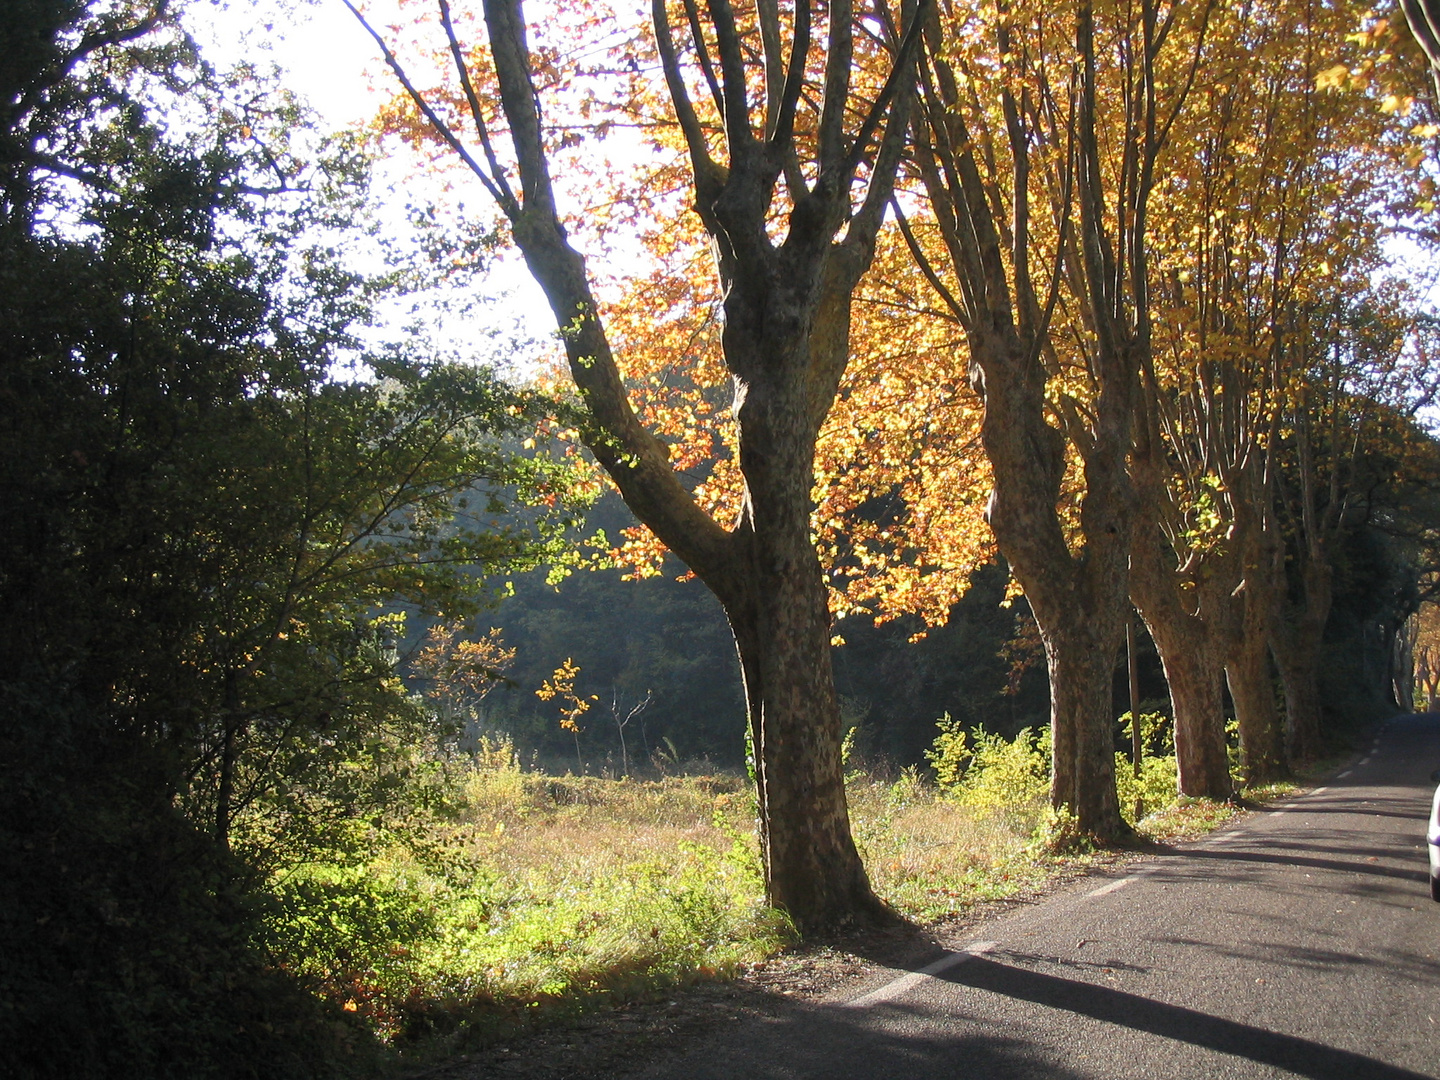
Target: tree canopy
209,542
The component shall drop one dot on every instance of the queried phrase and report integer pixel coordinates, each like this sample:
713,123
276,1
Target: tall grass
543,889
547,890
932,855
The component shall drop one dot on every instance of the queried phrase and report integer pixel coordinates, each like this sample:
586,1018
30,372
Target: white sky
328,57
330,61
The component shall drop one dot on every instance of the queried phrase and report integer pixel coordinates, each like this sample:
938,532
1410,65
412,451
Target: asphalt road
1300,942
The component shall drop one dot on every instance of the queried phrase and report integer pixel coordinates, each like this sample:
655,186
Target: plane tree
1263,217
792,149
1038,148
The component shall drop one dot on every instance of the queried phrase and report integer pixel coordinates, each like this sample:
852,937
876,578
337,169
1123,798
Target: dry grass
520,823
564,889
547,891
931,856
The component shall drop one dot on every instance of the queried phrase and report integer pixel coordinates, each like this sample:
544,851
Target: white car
1434,838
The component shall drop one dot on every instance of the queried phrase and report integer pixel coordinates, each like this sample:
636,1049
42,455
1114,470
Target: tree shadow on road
1373,869
1300,1056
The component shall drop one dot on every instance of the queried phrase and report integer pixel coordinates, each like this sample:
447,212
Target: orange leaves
901,480
1269,209
462,671
1335,77
1247,210
561,685
621,167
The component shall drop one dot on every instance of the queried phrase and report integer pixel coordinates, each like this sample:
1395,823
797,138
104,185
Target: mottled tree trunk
1184,639
1080,603
1196,694
1297,664
982,202
1262,748
1296,635
1249,607
1402,665
1082,667
812,868
774,595
1194,678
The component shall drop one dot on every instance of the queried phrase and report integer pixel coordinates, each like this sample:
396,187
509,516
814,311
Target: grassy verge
548,895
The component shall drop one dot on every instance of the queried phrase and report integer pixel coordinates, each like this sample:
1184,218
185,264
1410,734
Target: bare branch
482,130
702,54
928,268
736,112
768,14
782,138
900,89
636,460
901,76
439,126
840,48
707,172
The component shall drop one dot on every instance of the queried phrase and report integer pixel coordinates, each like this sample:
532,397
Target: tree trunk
1193,676
1402,666
225,787
1186,644
1081,710
1195,695
1248,609
1080,602
1075,583
785,340
1203,766
1297,664
232,731
775,598
1262,748
1296,634
782,633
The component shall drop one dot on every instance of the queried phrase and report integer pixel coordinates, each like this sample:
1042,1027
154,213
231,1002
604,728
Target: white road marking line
1364,760
1347,772
905,983
1112,887
1281,808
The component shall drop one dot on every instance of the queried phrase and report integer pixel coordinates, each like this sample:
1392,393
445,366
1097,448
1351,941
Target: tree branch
482,130
439,126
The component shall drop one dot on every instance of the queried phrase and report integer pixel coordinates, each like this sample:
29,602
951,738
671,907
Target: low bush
1011,777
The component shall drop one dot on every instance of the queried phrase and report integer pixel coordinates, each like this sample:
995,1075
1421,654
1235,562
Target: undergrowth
543,894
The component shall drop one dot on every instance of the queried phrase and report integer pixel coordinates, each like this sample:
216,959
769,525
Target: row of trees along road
1203,264
1148,234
